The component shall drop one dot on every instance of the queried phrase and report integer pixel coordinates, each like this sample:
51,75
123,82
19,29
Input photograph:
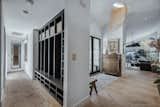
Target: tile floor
133,89
23,92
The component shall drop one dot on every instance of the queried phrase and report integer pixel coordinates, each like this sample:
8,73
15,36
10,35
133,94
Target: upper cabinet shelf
53,27
47,33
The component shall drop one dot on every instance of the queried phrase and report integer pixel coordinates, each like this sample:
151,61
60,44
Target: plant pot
158,86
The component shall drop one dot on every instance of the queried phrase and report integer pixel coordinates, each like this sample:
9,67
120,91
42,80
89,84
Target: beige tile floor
133,89
23,92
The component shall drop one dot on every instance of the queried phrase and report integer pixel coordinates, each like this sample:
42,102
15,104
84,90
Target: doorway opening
16,56
106,42
95,50
142,55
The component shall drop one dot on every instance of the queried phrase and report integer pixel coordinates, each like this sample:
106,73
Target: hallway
23,92
134,89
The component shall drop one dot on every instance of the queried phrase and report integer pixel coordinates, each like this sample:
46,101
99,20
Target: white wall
32,53
95,30
2,55
29,62
76,44
115,34
141,34
22,56
35,49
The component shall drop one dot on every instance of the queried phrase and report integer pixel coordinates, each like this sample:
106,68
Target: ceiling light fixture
30,2
25,12
118,5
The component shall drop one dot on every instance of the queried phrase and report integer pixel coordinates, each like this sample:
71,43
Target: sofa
145,65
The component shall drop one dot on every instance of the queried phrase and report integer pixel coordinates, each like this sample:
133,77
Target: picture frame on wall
114,45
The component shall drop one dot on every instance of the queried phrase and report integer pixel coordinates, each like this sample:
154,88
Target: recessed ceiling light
118,5
25,12
30,2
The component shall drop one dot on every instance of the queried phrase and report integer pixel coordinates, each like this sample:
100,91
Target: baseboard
29,75
2,98
80,101
15,70
96,72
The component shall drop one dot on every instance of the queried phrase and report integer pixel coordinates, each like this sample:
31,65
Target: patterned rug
103,80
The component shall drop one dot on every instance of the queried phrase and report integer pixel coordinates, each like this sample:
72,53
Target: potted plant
157,81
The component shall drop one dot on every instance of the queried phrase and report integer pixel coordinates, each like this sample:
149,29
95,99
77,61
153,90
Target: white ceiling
142,14
39,13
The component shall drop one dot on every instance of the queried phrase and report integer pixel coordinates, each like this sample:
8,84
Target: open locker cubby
42,57
46,57
58,56
47,31
52,28
43,34
39,56
51,63
51,57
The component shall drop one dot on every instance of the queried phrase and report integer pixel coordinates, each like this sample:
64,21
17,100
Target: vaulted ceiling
142,14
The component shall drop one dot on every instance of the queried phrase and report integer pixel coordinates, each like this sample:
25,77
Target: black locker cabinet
51,56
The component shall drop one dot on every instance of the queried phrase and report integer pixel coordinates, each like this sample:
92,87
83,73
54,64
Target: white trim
65,81
3,95
80,101
15,70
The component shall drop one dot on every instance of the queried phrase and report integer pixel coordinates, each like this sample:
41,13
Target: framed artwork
113,45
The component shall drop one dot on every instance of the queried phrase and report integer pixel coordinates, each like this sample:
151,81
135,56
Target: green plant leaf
157,80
